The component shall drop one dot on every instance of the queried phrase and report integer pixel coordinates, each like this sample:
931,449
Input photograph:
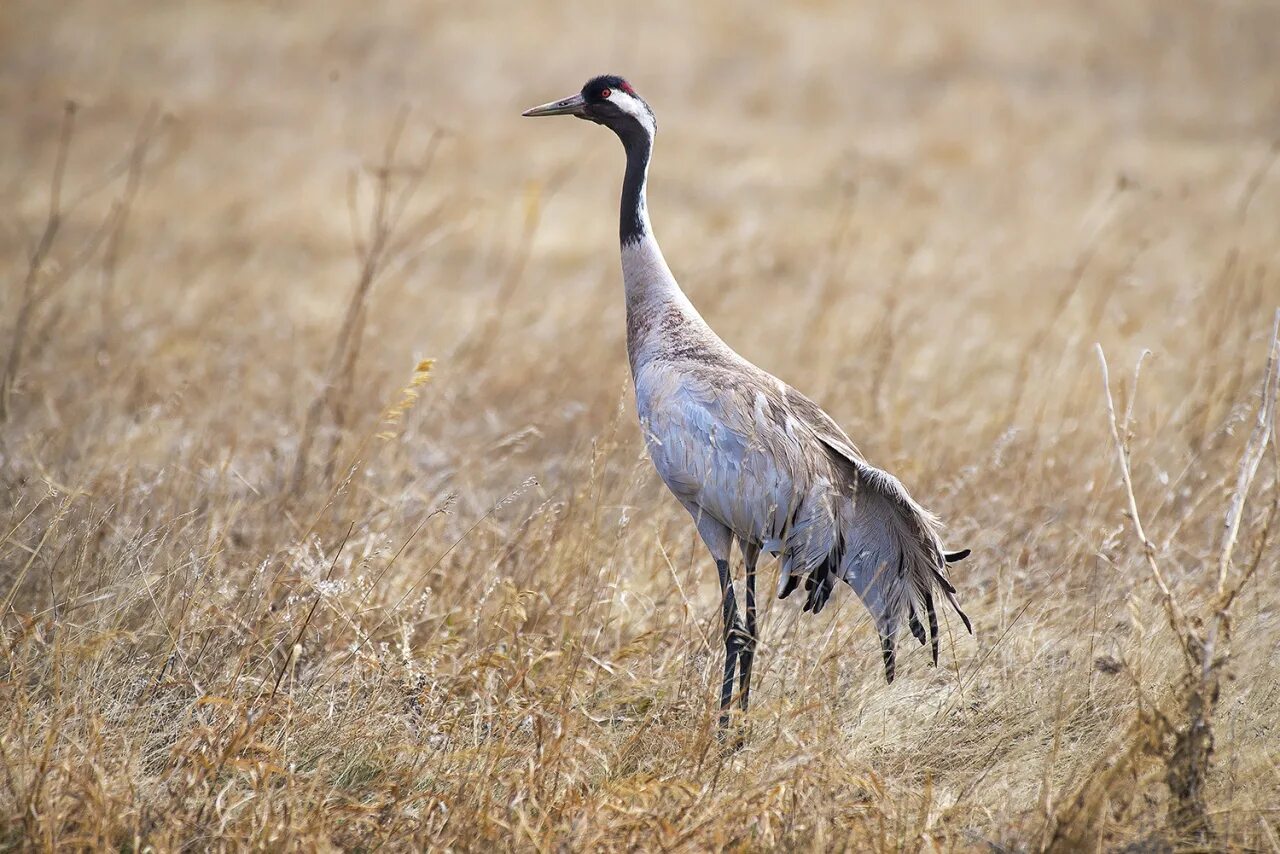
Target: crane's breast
709,446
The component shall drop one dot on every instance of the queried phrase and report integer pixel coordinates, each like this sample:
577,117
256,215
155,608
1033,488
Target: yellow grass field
266,584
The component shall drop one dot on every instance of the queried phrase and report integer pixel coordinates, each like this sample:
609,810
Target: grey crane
750,458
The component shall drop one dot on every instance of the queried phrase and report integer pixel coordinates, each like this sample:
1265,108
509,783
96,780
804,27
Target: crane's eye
605,93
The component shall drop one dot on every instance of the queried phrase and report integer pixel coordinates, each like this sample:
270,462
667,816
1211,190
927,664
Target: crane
751,459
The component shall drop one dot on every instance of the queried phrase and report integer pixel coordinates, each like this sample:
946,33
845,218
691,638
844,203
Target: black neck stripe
638,145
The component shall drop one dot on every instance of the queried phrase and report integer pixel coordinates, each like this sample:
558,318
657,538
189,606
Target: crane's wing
892,553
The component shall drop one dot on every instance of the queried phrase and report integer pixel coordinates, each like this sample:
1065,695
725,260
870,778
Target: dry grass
469,615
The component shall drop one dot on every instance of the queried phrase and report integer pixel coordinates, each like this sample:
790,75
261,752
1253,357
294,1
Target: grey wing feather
893,553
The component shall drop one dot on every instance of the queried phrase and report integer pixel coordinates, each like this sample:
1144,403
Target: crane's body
753,460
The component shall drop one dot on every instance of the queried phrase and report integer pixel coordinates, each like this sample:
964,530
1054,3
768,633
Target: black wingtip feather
916,628
793,581
890,665
956,556
933,624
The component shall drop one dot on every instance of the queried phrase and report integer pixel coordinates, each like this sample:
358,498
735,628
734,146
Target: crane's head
606,100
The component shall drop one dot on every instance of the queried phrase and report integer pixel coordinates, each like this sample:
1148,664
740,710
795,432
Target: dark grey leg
933,623
747,656
732,638
719,540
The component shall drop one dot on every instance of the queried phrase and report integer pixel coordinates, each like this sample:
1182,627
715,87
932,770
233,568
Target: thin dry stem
1177,619
35,264
372,256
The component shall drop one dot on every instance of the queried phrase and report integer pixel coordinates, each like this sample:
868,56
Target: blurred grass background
921,215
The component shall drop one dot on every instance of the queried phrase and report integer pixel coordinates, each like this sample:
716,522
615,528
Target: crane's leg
719,542
732,637
747,655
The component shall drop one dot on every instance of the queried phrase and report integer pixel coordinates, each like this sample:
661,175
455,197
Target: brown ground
923,215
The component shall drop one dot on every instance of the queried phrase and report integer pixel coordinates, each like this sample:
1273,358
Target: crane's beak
571,106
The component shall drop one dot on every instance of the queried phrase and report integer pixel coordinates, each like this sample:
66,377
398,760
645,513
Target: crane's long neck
657,310
633,219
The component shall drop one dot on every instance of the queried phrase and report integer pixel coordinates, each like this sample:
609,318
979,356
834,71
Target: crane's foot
739,655
732,733
736,641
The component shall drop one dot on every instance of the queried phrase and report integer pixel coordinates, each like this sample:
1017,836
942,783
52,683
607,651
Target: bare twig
38,284
373,254
1188,765
1187,747
1249,462
1177,619
53,222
